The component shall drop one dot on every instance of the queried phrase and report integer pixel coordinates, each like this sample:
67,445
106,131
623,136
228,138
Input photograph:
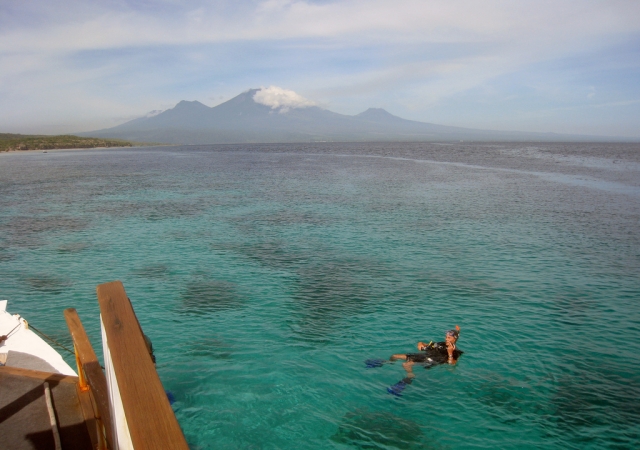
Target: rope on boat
56,342
51,339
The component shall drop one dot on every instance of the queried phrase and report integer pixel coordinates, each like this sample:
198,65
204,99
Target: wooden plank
37,374
92,371
80,339
151,421
88,412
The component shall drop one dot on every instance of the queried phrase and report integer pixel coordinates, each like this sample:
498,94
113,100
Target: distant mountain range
243,120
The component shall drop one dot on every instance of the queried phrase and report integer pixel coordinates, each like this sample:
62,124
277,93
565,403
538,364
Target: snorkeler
432,354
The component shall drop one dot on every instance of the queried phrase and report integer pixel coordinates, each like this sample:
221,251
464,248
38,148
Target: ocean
266,275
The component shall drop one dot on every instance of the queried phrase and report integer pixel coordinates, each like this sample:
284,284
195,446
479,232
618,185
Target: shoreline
10,142
47,150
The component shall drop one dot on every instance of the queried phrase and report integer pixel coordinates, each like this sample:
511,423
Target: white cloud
285,99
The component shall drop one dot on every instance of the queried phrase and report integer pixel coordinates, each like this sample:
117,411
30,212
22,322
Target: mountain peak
185,104
246,96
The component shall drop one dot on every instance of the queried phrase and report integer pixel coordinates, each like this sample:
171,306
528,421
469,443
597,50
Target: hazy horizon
566,66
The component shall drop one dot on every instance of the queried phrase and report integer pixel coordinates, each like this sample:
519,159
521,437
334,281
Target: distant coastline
25,142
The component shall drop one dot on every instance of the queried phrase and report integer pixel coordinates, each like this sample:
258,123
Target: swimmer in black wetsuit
433,353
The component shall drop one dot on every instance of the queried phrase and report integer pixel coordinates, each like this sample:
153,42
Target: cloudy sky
568,66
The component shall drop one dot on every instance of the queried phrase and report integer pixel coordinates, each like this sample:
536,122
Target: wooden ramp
25,419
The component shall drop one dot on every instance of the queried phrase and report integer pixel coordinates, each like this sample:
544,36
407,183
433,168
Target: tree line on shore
13,142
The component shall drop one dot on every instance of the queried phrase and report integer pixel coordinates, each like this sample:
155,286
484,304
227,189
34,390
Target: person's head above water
452,335
451,338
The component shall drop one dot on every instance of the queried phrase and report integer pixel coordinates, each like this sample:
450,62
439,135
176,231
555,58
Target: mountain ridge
242,119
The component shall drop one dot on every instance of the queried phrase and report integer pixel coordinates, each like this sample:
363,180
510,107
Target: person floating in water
432,354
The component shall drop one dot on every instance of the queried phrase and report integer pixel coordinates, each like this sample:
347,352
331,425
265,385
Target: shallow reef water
266,275
372,429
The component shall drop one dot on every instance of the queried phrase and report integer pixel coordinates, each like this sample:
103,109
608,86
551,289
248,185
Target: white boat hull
25,349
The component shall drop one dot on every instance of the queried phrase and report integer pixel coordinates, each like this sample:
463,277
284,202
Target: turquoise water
266,275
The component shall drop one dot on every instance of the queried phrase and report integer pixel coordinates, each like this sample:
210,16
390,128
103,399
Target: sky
565,66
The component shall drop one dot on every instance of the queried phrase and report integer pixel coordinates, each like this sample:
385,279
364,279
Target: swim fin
397,388
372,363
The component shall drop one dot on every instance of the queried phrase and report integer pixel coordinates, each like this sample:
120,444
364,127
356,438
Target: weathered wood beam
90,365
150,419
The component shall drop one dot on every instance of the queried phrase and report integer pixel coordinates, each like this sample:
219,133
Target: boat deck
25,421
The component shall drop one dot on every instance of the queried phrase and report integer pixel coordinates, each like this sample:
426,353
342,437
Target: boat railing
91,379
141,415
